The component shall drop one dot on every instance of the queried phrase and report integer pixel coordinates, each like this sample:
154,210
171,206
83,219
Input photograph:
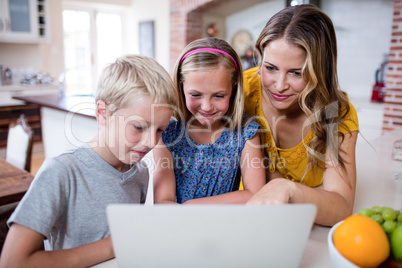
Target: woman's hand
334,199
277,191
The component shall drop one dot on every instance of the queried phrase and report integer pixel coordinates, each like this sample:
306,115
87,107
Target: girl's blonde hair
133,76
207,60
307,27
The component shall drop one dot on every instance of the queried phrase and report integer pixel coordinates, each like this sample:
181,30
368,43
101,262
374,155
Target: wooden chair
18,153
19,144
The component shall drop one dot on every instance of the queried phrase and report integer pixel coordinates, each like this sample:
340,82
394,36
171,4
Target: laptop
210,235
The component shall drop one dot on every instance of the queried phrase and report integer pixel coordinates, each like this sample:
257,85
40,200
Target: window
92,38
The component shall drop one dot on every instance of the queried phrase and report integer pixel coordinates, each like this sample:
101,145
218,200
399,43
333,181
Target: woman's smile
279,97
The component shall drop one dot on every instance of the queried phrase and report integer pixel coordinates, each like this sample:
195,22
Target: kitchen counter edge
83,105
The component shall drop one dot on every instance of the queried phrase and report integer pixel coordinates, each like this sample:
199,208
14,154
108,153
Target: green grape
389,226
396,244
376,209
388,208
382,209
398,224
388,214
366,212
399,217
377,218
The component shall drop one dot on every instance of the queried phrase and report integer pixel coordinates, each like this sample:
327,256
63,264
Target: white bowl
337,260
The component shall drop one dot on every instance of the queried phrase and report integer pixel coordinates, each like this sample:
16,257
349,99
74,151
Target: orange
362,241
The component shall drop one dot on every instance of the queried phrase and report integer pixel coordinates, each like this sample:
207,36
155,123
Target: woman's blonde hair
306,26
133,76
207,60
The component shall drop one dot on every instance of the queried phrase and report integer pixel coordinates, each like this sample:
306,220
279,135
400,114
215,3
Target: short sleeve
45,200
250,130
351,121
252,91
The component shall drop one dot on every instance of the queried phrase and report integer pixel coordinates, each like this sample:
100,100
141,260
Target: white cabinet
62,130
23,21
370,117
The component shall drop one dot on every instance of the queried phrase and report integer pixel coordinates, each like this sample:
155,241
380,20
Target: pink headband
208,49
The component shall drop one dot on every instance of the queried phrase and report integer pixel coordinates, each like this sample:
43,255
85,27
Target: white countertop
376,185
26,87
8,92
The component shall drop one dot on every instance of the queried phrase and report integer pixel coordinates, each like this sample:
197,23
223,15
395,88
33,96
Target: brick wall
393,98
186,23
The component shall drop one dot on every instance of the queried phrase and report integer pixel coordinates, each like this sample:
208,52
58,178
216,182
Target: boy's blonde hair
133,76
206,61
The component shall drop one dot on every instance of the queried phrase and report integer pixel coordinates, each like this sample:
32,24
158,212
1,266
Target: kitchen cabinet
67,121
371,116
23,21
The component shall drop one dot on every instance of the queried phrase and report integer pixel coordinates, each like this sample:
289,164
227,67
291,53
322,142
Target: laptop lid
210,235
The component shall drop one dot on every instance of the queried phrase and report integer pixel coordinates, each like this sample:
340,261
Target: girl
209,145
310,126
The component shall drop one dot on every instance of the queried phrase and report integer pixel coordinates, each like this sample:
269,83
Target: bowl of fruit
371,238
337,260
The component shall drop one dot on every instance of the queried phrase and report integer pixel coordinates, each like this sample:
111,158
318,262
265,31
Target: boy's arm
21,249
163,177
252,172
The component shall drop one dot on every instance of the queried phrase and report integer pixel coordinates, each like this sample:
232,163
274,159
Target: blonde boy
66,203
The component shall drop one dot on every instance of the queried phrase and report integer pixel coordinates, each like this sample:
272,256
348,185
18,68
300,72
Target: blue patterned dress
206,169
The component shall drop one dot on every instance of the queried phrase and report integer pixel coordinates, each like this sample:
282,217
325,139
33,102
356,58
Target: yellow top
291,163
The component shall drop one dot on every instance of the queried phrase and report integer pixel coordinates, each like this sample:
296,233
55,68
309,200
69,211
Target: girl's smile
207,115
207,95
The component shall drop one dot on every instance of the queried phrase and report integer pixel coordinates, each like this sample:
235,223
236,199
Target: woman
310,128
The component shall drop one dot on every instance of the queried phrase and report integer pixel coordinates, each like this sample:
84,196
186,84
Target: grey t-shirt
67,200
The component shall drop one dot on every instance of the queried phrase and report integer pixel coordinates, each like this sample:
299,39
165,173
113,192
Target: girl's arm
21,249
334,200
252,172
164,177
